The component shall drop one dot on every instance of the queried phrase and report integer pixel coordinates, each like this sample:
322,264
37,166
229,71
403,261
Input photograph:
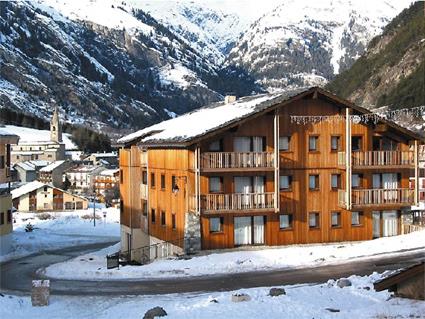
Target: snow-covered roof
27,188
6,134
188,127
52,166
112,154
33,136
32,186
194,124
109,172
32,165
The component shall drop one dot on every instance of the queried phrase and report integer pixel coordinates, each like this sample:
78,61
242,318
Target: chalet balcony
237,202
223,161
379,159
378,197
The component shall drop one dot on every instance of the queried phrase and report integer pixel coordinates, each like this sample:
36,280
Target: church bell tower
55,127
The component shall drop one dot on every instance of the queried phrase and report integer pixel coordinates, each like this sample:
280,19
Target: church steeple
55,127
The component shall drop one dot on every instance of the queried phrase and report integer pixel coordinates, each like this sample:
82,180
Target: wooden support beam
416,160
276,162
348,168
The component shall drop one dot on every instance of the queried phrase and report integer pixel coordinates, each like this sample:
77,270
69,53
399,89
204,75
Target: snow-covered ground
92,266
64,229
301,301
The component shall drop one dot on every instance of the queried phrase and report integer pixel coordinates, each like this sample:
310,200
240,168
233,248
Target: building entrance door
390,223
249,230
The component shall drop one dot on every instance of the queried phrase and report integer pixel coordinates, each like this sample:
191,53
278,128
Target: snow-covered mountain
106,64
127,64
308,42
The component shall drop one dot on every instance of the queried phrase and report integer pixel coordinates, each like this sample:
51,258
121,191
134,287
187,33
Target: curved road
17,275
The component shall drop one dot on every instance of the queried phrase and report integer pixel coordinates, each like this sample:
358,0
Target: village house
246,172
49,150
28,171
82,178
106,180
37,196
109,160
6,218
53,173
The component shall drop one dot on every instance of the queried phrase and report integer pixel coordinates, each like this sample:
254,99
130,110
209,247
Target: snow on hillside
113,14
320,37
30,135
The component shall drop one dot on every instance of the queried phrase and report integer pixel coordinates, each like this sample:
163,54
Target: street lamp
94,206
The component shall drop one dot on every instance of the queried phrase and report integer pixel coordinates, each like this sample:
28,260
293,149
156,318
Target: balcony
378,159
224,161
237,202
378,197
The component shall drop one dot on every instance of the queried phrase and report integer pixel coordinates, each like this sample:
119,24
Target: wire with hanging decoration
393,115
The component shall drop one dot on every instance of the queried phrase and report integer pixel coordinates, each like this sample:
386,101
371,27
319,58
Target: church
47,150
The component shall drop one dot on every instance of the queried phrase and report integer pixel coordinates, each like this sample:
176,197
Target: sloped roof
190,126
32,186
52,166
8,136
27,188
194,124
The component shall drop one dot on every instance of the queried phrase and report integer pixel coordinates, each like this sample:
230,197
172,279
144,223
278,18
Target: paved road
17,275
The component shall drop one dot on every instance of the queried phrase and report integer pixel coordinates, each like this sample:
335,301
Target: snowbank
300,302
92,266
65,229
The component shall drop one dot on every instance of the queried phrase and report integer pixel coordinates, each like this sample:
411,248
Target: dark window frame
290,219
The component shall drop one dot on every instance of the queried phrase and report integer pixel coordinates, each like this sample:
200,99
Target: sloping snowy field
301,301
92,266
65,229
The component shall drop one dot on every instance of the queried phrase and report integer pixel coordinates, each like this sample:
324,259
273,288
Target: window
1,218
216,146
335,143
336,219
285,182
215,184
173,182
46,205
356,218
152,180
356,143
144,208
9,216
313,182
144,177
313,143
162,181
173,221
45,188
335,181
313,220
153,216
285,221
2,162
163,221
356,180
284,142
216,224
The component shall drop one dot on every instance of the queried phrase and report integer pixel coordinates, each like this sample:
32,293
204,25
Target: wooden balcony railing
379,158
377,197
237,201
227,160
409,228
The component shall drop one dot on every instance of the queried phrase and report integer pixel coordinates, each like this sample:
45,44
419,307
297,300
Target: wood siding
298,162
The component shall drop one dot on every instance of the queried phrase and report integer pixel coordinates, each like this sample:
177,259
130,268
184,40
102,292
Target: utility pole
94,205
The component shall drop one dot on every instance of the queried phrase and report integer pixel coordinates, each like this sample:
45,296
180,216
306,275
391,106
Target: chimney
230,98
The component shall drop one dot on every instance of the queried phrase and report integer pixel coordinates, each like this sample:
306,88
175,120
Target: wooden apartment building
241,172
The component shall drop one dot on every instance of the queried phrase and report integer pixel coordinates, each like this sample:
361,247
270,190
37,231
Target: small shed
406,283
